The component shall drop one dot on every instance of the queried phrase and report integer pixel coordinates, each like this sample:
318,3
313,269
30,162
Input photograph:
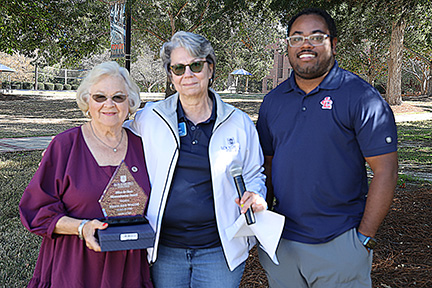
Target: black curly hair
316,11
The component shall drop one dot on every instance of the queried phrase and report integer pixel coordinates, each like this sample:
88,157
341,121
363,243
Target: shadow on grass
18,247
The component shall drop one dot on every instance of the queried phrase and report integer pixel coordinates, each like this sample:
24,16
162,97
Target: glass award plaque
123,204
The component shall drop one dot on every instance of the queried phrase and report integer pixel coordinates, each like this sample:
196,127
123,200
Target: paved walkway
24,144
40,143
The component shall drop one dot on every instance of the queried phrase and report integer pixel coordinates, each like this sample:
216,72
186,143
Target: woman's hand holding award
123,204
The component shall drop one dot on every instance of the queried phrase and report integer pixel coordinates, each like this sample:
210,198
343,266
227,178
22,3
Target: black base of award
122,234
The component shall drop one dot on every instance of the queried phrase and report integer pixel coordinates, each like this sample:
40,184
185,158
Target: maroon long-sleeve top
69,182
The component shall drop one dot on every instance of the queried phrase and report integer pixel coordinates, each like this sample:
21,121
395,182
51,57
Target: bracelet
80,228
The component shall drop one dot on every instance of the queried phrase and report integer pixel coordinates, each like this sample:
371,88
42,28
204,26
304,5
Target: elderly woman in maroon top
61,202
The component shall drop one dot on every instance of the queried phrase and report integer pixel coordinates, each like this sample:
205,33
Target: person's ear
211,66
334,42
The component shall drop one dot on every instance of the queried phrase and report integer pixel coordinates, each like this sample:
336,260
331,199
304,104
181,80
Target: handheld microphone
236,173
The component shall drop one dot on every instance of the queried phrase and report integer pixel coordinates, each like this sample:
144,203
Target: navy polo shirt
189,220
318,142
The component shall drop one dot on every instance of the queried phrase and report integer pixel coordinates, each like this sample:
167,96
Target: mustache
306,51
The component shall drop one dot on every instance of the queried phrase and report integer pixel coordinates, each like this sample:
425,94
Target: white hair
111,69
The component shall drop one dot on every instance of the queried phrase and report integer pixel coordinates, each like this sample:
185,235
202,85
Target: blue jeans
194,268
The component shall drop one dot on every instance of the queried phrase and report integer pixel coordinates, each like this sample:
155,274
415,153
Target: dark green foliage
56,29
16,85
27,85
5,84
58,86
49,86
40,86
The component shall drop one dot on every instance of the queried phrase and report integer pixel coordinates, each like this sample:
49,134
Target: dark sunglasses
196,67
120,98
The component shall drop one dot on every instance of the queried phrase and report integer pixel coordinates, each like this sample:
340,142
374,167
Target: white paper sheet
267,229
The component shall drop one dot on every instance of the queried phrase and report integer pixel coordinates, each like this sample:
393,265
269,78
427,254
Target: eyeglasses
196,67
314,39
118,98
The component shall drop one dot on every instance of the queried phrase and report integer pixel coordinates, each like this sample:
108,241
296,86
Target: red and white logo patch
327,103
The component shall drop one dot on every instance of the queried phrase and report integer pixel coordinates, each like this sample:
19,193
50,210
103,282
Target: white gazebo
4,68
241,72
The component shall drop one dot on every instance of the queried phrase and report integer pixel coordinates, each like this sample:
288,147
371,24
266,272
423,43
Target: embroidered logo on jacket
231,146
327,103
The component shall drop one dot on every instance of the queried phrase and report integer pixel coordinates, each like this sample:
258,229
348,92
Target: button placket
304,105
195,135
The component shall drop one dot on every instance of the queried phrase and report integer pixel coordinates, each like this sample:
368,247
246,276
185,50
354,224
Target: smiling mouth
307,55
189,85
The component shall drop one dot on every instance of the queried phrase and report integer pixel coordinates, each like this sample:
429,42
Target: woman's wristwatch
80,228
367,241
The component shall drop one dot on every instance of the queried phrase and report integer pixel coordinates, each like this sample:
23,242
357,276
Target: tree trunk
429,80
36,77
394,79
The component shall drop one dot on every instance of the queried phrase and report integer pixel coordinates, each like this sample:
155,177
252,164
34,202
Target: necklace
113,148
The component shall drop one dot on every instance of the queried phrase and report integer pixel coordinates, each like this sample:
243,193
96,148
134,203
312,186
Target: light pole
128,35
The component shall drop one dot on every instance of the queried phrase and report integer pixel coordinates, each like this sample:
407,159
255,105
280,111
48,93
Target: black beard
320,69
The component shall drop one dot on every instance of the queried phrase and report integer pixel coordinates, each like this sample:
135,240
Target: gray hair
196,45
111,69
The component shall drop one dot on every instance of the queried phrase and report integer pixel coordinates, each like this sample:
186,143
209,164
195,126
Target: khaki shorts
341,262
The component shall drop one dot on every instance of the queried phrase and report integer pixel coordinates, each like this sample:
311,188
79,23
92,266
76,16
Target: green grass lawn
415,142
18,248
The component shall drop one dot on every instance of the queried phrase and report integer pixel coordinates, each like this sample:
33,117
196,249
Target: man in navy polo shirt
317,129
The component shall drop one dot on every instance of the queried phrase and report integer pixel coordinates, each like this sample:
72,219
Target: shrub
49,86
67,87
75,87
27,85
40,86
16,85
58,86
6,85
